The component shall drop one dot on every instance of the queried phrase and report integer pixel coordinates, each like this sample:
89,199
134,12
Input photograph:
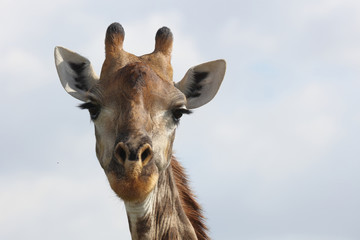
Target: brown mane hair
191,207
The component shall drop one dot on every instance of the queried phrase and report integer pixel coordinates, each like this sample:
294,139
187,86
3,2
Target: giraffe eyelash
94,109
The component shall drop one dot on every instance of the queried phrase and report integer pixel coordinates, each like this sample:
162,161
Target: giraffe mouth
132,182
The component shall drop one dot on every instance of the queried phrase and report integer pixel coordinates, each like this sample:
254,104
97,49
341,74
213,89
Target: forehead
137,82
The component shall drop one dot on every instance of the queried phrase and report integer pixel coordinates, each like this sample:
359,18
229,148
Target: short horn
114,39
164,40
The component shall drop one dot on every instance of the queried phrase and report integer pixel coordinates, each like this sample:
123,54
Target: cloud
23,66
22,71
301,237
308,35
59,206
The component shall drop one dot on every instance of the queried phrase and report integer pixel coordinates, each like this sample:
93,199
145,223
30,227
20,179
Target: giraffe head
135,106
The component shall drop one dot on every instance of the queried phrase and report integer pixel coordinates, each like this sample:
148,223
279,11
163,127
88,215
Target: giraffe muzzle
124,154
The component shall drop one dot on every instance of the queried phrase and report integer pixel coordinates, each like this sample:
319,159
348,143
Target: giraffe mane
188,200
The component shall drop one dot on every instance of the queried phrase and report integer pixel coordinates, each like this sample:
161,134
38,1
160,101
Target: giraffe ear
75,72
201,83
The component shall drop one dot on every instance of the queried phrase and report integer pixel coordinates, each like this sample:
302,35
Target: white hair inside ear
201,83
75,72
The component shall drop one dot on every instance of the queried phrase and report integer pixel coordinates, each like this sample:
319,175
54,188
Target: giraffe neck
161,215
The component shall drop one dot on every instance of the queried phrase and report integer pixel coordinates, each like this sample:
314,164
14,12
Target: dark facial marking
116,168
195,87
80,79
134,76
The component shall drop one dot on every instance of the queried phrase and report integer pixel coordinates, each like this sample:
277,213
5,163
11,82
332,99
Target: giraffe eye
178,113
94,109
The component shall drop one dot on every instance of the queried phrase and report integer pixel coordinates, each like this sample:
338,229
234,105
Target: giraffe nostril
145,153
121,153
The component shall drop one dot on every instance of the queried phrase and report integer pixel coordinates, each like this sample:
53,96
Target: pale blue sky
275,156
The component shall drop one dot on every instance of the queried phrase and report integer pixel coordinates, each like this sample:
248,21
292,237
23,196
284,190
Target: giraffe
135,107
